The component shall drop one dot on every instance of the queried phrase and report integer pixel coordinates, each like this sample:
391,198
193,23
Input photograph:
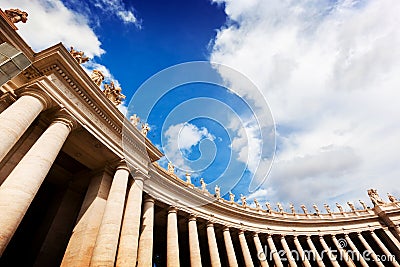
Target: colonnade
116,223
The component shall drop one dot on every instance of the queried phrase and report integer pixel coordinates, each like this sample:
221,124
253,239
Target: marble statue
171,168
217,190
134,120
145,128
375,198
280,208
391,198
231,197
351,205
188,179
291,206
328,209
243,199
340,208
303,207
258,206
363,204
79,56
268,205
316,208
16,15
113,93
97,77
202,184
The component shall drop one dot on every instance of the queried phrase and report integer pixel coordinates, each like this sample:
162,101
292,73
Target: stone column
80,246
18,117
328,251
292,262
230,251
355,251
172,238
392,237
24,181
105,248
315,252
384,249
248,262
349,262
145,253
212,246
299,248
368,247
260,252
194,247
128,243
274,252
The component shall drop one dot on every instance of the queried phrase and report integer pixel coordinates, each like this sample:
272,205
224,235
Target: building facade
80,186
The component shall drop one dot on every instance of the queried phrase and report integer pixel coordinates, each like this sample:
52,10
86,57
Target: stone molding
40,95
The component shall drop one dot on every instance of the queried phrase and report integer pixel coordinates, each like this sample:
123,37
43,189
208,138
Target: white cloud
330,74
117,7
50,22
180,139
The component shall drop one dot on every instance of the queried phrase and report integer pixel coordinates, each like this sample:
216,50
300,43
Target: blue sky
328,71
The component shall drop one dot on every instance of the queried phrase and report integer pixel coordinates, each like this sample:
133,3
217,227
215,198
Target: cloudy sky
329,71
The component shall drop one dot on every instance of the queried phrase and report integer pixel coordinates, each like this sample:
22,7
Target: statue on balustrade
231,197
79,56
363,204
303,207
391,198
97,77
217,192
291,206
113,93
145,128
280,208
351,205
328,209
268,205
316,209
375,198
340,208
202,184
171,168
258,206
135,120
243,199
188,179
16,15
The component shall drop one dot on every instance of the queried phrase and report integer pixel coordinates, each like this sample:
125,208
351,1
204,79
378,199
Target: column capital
40,95
148,198
192,217
121,165
225,228
139,175
62,116
210,224
172,209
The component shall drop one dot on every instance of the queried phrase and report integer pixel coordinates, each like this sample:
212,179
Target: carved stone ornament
145,128
391,198
135,121
97,77
16,15
79,56
114,94
375,198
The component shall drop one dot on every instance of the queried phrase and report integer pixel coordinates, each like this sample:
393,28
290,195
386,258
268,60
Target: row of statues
372,193
145,128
